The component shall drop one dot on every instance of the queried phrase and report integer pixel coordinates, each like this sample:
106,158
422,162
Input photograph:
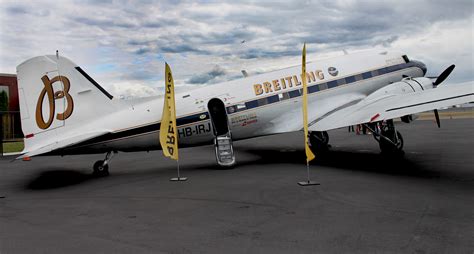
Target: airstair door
222,135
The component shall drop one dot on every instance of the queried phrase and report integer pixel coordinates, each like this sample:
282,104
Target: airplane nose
420,65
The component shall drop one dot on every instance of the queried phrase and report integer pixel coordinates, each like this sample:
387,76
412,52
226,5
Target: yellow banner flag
168,131
309,154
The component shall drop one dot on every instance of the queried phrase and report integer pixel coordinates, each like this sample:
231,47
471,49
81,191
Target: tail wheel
100,169
319,141
388,147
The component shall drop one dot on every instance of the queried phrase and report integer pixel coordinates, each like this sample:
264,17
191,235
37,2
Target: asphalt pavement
366,203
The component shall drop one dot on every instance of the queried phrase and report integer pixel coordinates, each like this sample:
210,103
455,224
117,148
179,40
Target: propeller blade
437,118
444,75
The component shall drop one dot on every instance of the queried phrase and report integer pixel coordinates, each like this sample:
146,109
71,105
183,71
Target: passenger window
367,75
332,84
272,99
251,104
294,93
323,86
350,79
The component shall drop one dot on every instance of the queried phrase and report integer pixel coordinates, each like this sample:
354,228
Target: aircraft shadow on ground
335,160
57,178
60,178
343,160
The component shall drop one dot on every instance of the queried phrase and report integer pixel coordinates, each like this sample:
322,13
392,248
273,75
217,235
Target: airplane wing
392,105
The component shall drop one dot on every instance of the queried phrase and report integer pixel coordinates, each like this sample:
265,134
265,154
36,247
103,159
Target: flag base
179,179
308,183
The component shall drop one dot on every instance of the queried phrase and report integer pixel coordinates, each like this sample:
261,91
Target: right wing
392,105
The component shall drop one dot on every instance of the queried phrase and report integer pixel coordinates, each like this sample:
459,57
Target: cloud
254,53
195,37
208,77
142,51
17,10
182,48
386,42
132,90
104,23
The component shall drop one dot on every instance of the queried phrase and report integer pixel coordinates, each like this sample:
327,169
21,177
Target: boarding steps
224,150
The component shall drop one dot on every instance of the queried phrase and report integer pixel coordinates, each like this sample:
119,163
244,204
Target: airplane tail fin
58,101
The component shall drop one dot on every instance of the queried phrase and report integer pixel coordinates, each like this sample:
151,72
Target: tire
389,148
319,141
100,170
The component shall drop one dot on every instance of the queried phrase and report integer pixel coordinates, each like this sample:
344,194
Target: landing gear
319,141
390,140
394,145
101,167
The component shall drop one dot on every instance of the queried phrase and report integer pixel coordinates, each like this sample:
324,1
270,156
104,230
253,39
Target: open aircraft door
222,135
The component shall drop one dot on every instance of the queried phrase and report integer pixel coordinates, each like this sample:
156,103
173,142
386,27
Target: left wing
391,104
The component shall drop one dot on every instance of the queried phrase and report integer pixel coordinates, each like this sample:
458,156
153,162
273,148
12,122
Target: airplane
64,111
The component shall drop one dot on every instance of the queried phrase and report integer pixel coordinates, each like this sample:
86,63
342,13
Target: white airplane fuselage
256,105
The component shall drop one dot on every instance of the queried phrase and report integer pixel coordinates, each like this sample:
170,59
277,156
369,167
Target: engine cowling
419,83
406,85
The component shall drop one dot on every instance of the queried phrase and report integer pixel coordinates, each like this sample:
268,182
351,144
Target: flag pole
168,128
308,181
179,178
177,163
309,154
307,172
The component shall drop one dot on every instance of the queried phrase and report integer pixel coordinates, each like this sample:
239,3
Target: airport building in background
9,108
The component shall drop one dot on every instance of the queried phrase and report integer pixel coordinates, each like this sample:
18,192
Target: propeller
443,75
438,81
437,118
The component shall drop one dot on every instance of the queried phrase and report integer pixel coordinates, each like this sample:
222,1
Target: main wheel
388,147
319,141
100,169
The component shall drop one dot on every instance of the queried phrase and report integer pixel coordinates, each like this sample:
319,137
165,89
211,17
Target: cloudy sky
123,44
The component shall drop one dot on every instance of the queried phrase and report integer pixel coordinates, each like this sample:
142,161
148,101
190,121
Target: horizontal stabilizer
62,144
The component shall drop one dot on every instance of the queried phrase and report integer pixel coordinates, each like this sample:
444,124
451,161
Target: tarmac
366,203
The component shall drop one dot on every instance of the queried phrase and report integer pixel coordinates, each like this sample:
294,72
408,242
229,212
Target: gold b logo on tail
52,96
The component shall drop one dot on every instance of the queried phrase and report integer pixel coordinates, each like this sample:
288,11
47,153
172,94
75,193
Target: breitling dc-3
64,111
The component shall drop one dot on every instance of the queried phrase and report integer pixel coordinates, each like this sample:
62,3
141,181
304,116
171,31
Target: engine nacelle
419,83
406,85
